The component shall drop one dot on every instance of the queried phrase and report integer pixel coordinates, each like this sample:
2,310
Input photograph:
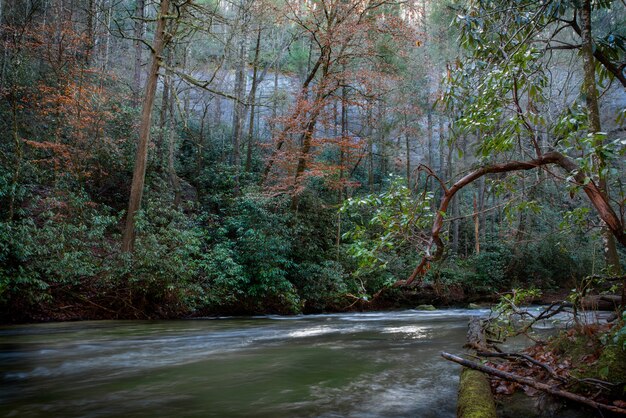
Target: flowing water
339,365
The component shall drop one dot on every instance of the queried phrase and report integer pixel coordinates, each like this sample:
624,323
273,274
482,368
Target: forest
176,159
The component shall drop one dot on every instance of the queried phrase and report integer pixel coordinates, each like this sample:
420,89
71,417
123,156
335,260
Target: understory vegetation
298,155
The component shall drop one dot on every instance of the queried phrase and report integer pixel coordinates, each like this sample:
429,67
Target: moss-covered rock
426,308
475,398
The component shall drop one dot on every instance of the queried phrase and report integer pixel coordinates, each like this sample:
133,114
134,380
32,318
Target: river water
338,365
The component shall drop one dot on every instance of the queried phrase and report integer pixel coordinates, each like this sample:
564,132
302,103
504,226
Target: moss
612,364
599,355
475,398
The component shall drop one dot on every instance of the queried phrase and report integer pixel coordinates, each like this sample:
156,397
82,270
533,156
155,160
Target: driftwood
532,383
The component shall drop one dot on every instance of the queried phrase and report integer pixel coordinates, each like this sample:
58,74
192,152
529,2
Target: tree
506,44
141,157
343,53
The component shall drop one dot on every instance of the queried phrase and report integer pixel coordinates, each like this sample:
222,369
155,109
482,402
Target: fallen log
534,384
601,302
475,398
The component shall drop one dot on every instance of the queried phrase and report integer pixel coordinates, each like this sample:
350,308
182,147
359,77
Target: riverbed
337,365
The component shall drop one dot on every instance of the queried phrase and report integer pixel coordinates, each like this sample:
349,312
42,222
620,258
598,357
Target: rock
426,308
473,306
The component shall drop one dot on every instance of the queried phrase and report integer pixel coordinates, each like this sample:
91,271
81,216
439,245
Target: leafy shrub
321,286
248,265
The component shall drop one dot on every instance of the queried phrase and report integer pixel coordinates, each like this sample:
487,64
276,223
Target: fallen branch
537,385
526,358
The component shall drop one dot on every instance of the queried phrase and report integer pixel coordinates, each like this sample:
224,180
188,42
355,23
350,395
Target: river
383,364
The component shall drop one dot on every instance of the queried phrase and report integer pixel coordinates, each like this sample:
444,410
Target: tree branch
598,199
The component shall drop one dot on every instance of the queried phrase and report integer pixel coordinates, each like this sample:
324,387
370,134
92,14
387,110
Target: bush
321,286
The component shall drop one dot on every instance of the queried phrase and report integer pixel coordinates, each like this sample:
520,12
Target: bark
593,113
240,88
429,128
139,15
165,104
617,71
476,227
305,149
532,383
455,207
19,154
171,157
408,152
475,397
107,41
90,42
593,192
252,100
200,154
141,157
370,150
344,138
476,335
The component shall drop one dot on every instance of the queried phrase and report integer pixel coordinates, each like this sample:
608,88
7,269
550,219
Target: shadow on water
339,365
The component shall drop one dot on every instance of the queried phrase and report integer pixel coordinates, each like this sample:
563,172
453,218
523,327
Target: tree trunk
141,157
429,128
344,139
370,150
240,89
139,15
252,100
171,157
90,42
593,112
408,152
165,104
455,205
476,227
107,41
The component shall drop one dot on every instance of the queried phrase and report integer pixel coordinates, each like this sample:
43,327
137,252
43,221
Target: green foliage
322,286
485,272
167,258
620,335
249,260
68,248
383,225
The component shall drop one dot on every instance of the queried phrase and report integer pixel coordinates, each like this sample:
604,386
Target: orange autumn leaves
65,111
